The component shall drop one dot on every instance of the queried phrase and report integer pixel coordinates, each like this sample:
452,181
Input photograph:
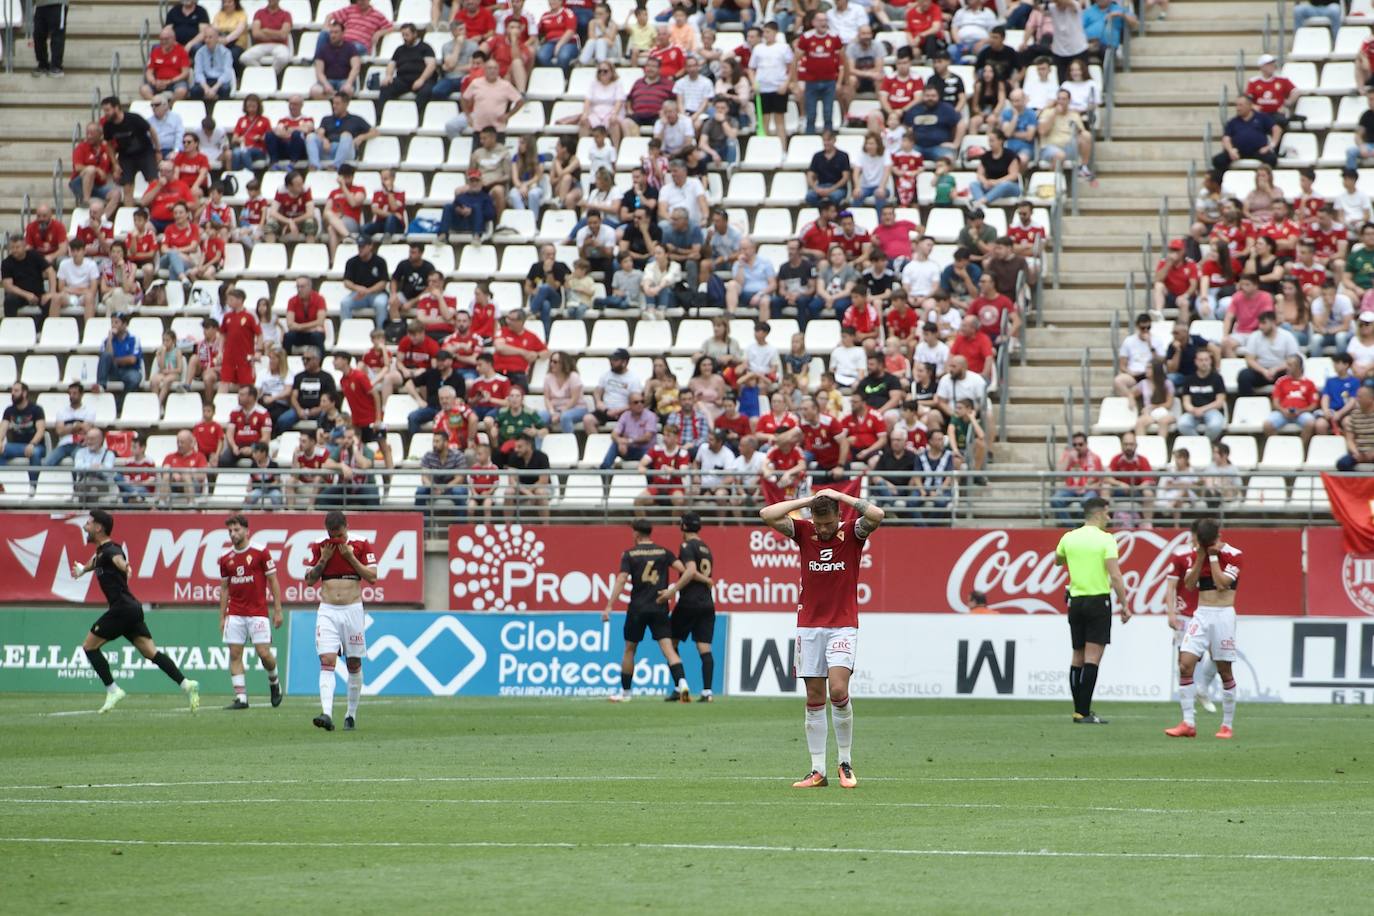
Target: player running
246,574
827,616
1181,603
645,566
124,616
1215,573
695,613
341,565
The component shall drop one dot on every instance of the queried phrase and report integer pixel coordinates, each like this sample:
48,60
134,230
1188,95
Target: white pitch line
577,801
680,777
703,847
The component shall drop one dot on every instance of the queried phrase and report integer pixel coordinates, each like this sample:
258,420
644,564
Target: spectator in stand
265,479
1358,428
408,282
999,171
121,355
306,390
1338,396
364,404
271,33
343,214
558,39
1076,462
1243,314
1274,95
136,483
23,430
242,335
1249,135
1266,352
1132,489
797,285
472,211
1296,403
1332,316
388,208
664,466
338,62
305,318
73,420
249,424
1329,13
78,282
413,68
1364,135
188,477
1135,356
970,30
365,278
611,397
925,25
428,388
531,486
49,36
935,487
819,55
829,174
131,143
286,141
754,281
292,215
1204,400
645,99
892,481
189,22
168,70
491,100
438,478
1064,136
214,70
1103,23
351,487
973,346
363,24
46,235
517,350
1175,282
990,307
93,170
1070,40
936,125
510,423
341,135
771,63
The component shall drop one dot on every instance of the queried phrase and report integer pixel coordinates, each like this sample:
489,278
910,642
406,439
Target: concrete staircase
1162,104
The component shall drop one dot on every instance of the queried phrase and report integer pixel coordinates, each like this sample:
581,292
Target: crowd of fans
919,334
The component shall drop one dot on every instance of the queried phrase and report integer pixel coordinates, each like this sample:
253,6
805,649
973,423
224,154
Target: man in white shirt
92,467
932,350
970,29
714,459
1135,356
845,18
921,275
848,361
78,282
694,92
674,131
745,472
597,243
681,191
612,395
73,420
960,384
771,61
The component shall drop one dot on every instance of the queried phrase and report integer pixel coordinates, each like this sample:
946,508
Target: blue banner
421,653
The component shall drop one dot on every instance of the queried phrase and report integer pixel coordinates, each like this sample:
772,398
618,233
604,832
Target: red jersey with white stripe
1327,242
829,575
1238,235
254,211
338,567
821,439
901,93
1230,562
785,459
1269,94
819,56
660,459
1306,276
248,427
552,26
1179,564
770,424
1025,235
246,571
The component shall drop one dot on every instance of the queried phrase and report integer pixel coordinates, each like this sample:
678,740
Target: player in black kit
645,566
695,614
125,614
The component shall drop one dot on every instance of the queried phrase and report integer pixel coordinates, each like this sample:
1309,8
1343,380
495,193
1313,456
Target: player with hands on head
341,564
827,616
1215,573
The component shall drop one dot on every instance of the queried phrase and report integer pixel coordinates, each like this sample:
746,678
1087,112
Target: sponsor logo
406,657
1357,577
1031,583
495,567
827,553
1323,655
1002,672
826,567
843,644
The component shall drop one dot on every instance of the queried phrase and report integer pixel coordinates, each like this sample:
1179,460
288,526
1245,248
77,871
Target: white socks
355,690
1228,702
842,719
1204,674
816,735
272,676
327,691
240,686
1187,698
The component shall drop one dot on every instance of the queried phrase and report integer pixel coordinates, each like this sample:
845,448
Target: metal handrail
1109,90
1268,33
1057,227
1116,315
1240,71
1126,44
1282,52
1140,10
1147,261
1051,445
1085,370
1192,192
24,210
1223,105
1003,389
95,104
145,41
1207,141
115,75
1068,409
1164,221
59,190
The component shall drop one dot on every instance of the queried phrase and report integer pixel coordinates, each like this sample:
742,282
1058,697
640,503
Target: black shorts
121,620
867,85
773,102
696,622
1090,620
369,434
654,619
644,120
144,164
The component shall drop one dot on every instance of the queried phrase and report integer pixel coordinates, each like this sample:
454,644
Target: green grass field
579,806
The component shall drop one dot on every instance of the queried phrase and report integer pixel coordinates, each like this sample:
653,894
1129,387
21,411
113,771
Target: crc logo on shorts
843,644
410,657
1357,575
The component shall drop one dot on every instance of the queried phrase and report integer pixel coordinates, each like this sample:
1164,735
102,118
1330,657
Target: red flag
1352,502
772,493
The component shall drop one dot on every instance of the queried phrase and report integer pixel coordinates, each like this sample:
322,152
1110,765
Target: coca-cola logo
1028,581
1357,577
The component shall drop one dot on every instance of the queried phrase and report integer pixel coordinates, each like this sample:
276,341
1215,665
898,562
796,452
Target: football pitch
581,806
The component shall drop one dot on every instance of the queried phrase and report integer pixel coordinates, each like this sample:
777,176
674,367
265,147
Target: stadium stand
424,175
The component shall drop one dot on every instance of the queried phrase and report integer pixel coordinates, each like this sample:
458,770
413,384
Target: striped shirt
452,460
360,26
1360,423
646,98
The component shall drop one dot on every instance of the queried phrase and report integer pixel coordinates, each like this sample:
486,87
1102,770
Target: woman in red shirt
388,208
292,216
247,144
180,244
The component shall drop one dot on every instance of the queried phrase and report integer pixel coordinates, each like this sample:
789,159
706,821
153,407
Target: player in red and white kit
1215,573
1181,604
246,575
827,616
341,565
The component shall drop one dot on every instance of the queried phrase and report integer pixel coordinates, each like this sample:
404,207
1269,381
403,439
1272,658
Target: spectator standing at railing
49,36
1076,487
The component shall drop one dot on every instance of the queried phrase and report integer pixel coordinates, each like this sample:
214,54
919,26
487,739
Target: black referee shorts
1090,620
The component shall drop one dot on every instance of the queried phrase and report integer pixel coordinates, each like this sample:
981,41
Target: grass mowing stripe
700,847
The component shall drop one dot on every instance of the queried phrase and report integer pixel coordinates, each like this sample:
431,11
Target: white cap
1367,316
1267,59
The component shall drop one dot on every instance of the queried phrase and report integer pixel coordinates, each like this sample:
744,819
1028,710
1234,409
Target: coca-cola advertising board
174,556
1339,584
572,568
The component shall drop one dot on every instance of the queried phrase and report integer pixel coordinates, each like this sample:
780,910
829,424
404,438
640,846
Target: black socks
101,666
708,670
168,666
1085,690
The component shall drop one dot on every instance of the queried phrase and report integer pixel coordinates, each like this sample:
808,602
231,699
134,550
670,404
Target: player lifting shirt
1181,604
645,566
1215,573
695,613
827,616
246,573
124,616
341,565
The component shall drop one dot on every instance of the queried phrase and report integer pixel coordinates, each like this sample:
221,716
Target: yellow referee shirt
1085,552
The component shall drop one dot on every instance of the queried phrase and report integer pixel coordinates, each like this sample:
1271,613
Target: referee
1090,554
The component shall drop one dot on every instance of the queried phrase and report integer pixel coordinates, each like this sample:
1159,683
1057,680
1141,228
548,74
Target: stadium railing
1263,496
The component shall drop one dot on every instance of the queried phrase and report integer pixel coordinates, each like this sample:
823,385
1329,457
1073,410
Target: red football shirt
340,204
292,206
818,56
169,63
1296,393
417,355
427,309
864,320
483,320
1269,95
829,575
248,428
246,571
84,154
484,391
738,424
552,26
1137,465
853,245
902,322
671,60
977,351
770,424
194,460
464,347
45,240
190,167
209,436
177,237
305,312
864,433
458,423
1327,242
506,363
785,459
240,331
338,567
822,440
1179,564
918,22
817,237
661,460
1179,276
902,93
357,388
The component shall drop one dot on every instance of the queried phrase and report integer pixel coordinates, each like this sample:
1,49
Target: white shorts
821,648
339,628
1213,629
239,630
